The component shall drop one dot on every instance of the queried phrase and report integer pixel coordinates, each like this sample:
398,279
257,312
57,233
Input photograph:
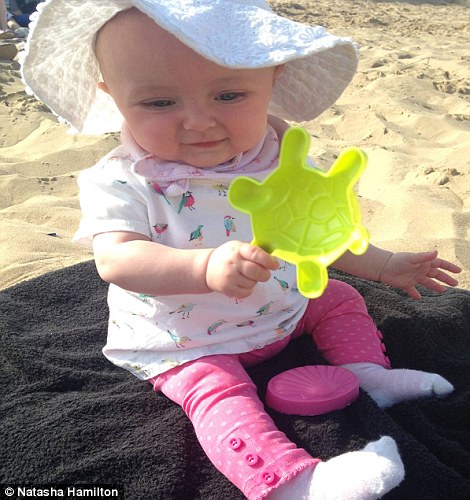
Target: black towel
68,416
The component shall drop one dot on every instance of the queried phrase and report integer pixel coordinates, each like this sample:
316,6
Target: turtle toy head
303,215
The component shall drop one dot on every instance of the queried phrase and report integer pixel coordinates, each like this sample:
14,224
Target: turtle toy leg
312,278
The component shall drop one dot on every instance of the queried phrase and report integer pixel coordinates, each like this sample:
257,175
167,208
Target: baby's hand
406,270
234,268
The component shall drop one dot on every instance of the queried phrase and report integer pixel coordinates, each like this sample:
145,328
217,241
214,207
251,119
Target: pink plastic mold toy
312,390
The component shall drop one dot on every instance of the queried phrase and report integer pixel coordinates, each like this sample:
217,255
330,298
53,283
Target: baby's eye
160,103
230,96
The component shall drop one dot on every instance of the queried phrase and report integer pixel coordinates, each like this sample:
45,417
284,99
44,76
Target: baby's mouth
207,144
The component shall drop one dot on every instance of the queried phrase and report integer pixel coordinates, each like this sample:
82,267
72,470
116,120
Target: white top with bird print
183,207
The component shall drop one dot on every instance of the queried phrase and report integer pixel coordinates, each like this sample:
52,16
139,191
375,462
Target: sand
408,108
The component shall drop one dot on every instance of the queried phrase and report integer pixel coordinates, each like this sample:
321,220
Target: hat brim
59,66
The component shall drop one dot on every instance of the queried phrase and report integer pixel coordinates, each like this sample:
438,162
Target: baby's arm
133,262
403,270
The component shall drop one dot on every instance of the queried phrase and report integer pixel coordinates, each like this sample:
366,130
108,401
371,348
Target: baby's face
179,105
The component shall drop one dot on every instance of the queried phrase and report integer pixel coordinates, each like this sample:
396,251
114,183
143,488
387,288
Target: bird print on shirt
187,201
197,235
184,310
159,191
283,284
213,328
160,229
179,341
264,310
229,225
221,188
249,322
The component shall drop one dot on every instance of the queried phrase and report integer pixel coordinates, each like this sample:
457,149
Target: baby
192,303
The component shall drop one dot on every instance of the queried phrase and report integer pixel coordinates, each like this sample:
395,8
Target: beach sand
408,108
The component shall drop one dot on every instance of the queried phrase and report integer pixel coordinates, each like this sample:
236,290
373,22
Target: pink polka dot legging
221,400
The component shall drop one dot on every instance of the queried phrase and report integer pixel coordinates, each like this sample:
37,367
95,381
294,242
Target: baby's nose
198,119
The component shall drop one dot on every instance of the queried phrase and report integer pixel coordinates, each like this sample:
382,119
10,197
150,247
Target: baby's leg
237,435
243,442
347,336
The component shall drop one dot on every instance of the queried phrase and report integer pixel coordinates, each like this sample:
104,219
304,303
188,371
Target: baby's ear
102,86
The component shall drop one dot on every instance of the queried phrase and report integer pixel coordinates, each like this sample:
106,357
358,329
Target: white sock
358,475
388,387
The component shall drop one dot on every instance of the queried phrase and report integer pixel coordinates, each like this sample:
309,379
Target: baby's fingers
434,281
428,283
413,292
445,278
437,272
433,285
446,266
258,256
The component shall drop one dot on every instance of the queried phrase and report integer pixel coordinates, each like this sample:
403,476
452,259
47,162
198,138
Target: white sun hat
60,68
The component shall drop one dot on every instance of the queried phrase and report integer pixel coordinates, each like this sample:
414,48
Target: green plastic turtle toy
303,215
